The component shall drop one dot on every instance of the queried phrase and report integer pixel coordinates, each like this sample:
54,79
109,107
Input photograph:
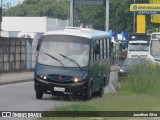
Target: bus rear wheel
101,91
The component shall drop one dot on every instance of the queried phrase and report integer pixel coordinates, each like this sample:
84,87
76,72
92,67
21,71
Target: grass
143,79
116,102
112,102
140,91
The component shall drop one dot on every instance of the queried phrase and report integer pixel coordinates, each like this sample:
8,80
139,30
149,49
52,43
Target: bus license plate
59,89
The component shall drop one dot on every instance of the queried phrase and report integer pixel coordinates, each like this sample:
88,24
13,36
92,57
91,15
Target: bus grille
60,78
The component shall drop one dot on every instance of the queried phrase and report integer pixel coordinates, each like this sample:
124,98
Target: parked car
129,64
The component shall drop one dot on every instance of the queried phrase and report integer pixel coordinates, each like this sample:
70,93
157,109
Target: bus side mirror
39,43
96,48
37,48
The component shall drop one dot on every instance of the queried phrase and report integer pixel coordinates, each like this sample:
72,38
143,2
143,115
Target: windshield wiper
55,59
71,60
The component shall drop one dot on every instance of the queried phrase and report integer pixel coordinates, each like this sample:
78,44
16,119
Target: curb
14,82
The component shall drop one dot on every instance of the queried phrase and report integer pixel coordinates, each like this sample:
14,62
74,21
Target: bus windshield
64,51
138,47
155,48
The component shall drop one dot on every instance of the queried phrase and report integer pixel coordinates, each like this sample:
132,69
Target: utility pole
71,13
107,15
134,19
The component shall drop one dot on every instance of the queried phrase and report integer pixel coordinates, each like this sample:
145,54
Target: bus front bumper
58,89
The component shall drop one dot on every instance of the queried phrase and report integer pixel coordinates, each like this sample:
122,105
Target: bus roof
81,32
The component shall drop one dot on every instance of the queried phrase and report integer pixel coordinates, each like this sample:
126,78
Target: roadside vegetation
139,91
142,79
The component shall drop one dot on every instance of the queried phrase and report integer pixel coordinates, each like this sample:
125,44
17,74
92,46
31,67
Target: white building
32,24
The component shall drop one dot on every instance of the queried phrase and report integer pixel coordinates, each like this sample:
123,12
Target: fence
14,53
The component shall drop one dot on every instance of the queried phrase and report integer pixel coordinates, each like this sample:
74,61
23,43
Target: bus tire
39,94
101,90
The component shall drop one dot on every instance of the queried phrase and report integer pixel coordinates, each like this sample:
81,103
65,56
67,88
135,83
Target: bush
143,79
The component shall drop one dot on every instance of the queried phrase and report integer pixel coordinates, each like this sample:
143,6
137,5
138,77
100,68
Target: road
21,97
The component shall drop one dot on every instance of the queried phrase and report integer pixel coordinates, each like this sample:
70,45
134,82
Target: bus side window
95,55
100,51
105,48
92,52
96,50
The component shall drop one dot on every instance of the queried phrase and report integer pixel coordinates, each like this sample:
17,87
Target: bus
74,62
155,47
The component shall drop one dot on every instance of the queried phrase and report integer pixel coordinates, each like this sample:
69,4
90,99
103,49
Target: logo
135,7
6,114
60,77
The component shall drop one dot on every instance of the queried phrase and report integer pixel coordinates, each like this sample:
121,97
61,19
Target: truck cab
138,46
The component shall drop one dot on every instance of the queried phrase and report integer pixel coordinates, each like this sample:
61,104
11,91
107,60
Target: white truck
138,45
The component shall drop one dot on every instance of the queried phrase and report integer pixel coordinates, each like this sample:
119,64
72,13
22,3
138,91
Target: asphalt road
21,97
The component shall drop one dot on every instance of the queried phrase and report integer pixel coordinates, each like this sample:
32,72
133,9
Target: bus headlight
44,77
41,76
76,79
79,79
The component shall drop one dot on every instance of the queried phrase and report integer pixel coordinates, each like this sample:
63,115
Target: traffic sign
145,8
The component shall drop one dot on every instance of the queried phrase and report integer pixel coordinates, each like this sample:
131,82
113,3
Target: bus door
95,69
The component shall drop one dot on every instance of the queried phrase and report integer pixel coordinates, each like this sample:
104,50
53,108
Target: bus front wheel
39,94
88,96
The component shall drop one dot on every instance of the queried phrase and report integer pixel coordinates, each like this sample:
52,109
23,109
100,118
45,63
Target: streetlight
107,15
71,12
71,19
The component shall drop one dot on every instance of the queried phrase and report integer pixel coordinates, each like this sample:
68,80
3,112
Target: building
32,24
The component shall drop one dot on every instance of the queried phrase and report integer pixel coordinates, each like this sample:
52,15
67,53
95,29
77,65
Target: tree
121,19
6,6
50,8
